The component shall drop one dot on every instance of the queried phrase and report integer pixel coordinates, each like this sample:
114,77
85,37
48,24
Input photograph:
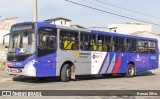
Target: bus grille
17,58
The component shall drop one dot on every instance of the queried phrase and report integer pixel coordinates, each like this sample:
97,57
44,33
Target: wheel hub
68,73
131,71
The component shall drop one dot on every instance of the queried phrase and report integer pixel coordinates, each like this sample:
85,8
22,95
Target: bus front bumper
26,71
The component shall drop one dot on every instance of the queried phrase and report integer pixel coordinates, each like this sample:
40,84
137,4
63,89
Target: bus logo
6,93
138,58
94,56
77,54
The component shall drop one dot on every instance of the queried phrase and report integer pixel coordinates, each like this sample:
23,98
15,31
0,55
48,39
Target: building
129,27
59,21
106,29
63,22
77,26
5,26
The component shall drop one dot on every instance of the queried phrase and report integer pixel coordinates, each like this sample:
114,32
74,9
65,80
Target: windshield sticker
20,50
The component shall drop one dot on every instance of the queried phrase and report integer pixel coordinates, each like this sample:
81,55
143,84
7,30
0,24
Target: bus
42,49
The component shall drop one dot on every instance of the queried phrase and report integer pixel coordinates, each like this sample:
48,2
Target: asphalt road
144,81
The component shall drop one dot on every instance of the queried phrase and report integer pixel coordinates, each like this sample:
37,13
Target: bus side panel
99,62
145,61
123,63
118,62
111,63
80,59
153,61
125,59
142,62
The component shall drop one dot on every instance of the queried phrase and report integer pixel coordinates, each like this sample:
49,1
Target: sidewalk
5,77
156,70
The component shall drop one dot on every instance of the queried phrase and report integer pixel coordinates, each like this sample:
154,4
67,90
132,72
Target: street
144,81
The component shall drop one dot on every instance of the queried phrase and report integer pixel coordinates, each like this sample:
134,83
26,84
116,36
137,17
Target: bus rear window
152,47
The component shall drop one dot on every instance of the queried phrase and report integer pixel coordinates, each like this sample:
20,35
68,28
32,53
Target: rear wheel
40,78
130,71
66,73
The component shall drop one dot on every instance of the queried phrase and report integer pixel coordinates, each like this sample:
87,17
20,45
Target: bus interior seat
67,45
104,48
100,48
94,47
113,47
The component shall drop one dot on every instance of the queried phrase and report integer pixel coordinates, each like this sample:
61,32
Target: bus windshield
22,43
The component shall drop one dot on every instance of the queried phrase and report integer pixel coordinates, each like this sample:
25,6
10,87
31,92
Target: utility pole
35,12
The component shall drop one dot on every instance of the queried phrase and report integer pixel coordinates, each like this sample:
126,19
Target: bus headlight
31,63
29,69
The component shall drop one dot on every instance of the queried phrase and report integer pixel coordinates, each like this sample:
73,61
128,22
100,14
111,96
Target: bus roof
88,30
122,35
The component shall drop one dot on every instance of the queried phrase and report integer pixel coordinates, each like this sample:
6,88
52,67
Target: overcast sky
147,10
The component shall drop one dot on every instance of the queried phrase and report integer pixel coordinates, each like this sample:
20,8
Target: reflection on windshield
22,43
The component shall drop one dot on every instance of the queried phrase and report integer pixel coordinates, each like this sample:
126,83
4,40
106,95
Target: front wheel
130,71
107,75
66,73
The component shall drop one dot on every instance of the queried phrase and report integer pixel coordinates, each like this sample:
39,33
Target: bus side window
152,47
131,45
88,42
142,46
47,41
92,42
69,40
100,43
104,43
115,44
121,44
84,41
118,44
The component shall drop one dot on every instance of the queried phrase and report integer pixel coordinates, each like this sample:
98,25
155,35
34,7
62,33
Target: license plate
14,70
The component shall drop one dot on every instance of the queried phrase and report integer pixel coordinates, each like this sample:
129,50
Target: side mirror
6,44
43,38
3,40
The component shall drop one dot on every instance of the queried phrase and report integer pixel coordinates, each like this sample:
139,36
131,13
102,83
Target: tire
14,79
107,75
66,73
130,71
40,79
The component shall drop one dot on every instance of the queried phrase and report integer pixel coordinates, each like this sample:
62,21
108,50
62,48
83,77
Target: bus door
153,55
46,62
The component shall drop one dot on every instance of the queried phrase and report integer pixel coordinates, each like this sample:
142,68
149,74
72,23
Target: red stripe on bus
118,63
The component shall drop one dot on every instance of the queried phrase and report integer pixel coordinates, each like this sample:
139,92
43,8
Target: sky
146,10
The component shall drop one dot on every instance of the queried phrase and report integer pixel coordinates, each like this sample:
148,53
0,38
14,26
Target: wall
100,29
64,22
129,28
5,26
